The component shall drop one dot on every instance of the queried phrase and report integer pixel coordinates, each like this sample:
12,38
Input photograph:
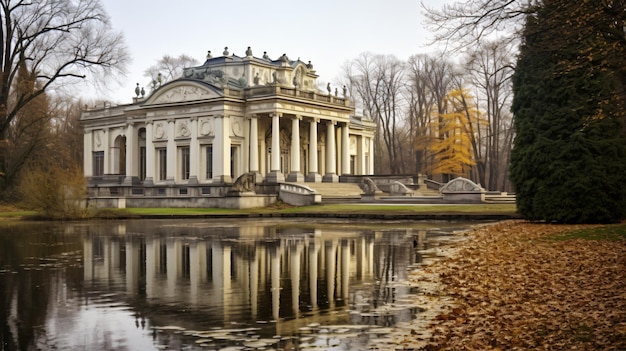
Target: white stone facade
224,119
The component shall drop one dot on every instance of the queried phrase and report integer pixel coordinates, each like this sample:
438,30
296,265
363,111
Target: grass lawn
332,208
9,211
16,213
12,212
612,232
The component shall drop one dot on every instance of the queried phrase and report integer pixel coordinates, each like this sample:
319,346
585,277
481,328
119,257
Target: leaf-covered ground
522,286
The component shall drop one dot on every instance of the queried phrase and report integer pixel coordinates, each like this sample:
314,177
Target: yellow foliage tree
457,130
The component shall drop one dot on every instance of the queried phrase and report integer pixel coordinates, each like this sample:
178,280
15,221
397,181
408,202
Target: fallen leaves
513,288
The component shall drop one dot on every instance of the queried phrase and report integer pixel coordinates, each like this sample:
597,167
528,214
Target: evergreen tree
569,157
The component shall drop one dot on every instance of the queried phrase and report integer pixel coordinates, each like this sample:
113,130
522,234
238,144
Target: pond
208,284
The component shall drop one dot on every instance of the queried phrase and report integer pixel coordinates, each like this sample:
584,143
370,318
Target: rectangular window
162,152
142,163
184,162
209,162
98,163
234,151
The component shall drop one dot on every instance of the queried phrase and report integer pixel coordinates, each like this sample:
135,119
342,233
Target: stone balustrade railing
298,194
285,91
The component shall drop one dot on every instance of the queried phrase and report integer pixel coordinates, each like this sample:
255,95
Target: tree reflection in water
202,284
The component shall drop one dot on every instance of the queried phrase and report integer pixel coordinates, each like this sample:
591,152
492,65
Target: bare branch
468,21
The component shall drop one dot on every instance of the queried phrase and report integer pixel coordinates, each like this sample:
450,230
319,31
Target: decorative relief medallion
237,127
353,143
98,138
206,127
182,129
159,131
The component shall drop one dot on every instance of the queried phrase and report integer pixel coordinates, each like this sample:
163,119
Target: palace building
190,139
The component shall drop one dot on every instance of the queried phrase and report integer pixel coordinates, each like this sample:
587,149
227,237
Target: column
88,153
313,175
149,154
275,175
194,153
345,150
171,152
221,150
338,148
331,149
360,154
254,147
295,175
107,151
130,153
370,165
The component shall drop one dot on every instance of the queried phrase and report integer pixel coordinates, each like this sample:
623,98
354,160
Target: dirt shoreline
510,286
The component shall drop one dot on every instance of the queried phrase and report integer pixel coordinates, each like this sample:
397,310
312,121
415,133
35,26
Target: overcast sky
326,32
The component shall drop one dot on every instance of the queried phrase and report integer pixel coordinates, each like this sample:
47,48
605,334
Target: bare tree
490,68
58,41
66,128
429,79
490,63
378,81
168,68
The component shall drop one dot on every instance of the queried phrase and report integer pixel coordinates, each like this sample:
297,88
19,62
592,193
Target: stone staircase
337,192
501,198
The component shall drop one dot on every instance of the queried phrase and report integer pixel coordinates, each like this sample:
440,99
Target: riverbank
517,285
465,212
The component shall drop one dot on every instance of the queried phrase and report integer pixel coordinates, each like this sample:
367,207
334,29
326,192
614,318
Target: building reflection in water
251,273
136,284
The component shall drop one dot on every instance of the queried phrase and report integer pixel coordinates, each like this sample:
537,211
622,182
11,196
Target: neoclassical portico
231,116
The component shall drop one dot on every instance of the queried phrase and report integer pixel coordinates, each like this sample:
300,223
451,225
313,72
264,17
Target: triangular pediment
183,91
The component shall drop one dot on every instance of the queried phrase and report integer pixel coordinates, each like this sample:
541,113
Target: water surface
207,284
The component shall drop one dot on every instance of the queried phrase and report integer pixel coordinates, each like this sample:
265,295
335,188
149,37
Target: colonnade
137,149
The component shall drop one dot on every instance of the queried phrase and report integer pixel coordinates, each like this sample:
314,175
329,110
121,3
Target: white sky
326,32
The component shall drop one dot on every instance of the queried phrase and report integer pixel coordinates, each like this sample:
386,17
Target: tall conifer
568,162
